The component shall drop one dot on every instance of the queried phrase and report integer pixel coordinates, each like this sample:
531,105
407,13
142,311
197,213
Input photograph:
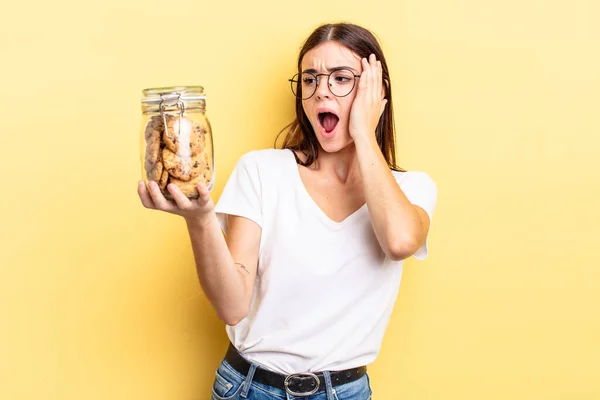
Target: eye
342,77
308,80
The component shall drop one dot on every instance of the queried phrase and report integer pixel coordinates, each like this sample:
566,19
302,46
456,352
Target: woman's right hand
193,210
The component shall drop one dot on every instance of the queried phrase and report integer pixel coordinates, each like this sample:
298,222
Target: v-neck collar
324,218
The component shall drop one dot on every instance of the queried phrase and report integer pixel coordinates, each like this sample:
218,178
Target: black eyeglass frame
294,80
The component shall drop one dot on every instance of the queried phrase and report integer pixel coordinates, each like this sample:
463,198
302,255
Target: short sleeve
420,190
242,193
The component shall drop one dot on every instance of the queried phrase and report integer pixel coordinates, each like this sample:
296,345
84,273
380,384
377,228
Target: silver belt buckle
304,374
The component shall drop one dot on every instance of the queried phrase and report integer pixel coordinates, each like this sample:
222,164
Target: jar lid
185,93
191,96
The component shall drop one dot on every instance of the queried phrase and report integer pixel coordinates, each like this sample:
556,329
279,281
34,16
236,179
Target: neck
342,165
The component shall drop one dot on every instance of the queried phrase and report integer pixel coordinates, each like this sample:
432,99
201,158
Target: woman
316,232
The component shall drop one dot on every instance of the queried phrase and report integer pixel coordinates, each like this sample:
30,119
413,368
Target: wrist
365,141
200,222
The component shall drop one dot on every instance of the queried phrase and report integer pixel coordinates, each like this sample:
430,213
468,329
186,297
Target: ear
384,88
383,104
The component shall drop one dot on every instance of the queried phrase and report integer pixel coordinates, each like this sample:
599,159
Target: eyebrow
314,71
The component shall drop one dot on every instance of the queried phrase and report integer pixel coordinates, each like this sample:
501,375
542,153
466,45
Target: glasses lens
295,85
303,86
341,82
308,85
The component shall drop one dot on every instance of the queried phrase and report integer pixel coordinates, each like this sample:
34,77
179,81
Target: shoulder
267,164
266,157
413,178
419,188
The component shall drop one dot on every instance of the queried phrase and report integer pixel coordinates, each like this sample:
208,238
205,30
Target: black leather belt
302,384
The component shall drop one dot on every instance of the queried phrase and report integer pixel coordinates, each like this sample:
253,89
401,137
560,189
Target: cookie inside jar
176,152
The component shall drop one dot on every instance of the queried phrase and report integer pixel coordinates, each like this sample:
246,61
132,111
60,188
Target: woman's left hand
369,103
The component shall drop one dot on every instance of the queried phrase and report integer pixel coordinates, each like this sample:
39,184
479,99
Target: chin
334,146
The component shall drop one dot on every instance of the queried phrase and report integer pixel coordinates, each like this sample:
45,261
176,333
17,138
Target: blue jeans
229,384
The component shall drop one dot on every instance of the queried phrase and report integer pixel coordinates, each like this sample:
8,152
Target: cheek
347,104
353,94
307,108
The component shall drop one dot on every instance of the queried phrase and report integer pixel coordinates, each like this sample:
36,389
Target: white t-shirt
325,290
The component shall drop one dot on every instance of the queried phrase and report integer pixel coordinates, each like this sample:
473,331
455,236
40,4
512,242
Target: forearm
395,221
221,281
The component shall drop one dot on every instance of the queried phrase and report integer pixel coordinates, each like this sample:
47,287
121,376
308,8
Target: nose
322,87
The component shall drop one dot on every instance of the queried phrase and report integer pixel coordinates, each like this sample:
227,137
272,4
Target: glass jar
176,139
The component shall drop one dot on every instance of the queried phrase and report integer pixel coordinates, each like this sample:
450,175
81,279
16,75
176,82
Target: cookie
177,135
156,172
154,124
163,180
153,148
148,166
148,131
202,173
188,188
197,138
184,137
207,175
181,167
151,131
204,167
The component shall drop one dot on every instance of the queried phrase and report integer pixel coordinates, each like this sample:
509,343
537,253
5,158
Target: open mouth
328,121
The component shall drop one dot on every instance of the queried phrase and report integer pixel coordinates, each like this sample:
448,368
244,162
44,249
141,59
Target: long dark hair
300,136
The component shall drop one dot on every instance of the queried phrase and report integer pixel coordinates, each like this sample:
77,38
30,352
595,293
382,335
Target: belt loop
248,381
328,385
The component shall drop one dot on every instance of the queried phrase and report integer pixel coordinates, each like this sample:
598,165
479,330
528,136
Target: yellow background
498,101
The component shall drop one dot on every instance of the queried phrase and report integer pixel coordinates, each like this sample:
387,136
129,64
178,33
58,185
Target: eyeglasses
340,83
